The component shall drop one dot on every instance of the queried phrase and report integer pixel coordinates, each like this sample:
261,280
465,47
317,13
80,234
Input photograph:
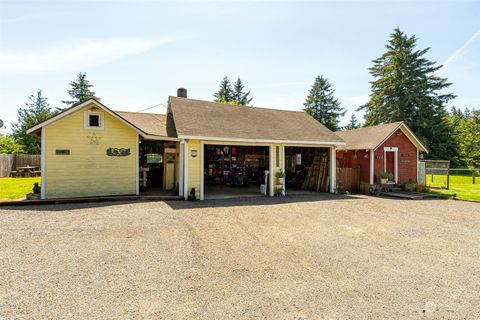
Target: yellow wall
88,171
194,168
194,163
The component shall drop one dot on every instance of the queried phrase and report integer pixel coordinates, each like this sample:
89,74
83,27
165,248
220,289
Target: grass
16,188
460,185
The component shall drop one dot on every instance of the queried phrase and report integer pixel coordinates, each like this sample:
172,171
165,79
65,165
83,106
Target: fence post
448,179
473,176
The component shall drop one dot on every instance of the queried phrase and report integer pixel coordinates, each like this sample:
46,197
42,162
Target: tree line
405,87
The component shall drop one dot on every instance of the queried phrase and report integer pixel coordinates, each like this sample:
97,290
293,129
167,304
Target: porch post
185,171
181,168
202,173
372,169
271,176
333,169
283,170
137,168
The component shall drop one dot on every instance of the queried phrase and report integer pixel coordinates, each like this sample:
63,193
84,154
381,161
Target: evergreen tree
352,123
322,105
80,91
466,128
405,88
225,92
36,110
239,95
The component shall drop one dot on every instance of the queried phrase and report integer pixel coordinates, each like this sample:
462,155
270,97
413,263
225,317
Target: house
198,149
391,147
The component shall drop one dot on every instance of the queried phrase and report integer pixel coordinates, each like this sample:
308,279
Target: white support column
333,170
202,173
396,166
137,168
42,164
185,170
271,175
181,170
372,167
418,166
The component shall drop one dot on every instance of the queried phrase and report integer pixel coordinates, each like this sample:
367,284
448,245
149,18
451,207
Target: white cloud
82,54
460,50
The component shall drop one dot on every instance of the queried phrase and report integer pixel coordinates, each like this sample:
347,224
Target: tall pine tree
405,88
322,105
36,110
80,90
239,95
236,95
225,92
352,123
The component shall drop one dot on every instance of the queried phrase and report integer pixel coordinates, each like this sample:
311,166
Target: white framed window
93,120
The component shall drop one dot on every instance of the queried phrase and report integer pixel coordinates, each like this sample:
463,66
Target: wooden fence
8,162
348,179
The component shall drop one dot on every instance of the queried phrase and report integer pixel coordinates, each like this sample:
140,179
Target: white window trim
87,115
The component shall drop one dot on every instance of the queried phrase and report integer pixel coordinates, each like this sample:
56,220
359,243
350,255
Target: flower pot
280,180
383,181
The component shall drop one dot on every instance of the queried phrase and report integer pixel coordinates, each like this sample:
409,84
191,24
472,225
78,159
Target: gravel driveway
304,257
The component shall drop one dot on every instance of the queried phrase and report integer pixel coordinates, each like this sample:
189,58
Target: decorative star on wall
94,139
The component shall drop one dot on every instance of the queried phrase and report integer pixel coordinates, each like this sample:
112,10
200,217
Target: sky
137,53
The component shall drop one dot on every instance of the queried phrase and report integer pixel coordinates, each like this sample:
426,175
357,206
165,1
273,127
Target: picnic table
26,171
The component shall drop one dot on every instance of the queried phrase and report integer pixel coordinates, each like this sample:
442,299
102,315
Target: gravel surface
303,257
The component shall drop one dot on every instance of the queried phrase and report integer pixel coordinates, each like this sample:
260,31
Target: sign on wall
118,152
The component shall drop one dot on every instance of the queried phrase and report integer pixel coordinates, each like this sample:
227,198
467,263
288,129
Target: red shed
389,147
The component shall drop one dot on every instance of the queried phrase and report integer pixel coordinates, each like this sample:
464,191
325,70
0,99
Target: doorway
157,166
232,171
390,164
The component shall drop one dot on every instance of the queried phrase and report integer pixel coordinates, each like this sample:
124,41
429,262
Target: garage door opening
235,171
306,168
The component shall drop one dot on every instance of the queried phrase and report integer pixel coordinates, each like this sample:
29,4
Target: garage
307,168
235,170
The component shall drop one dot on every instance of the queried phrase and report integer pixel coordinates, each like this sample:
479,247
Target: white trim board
266,141
43,164
79,107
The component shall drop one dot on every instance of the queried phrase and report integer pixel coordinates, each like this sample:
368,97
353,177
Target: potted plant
280,176
385,177
410,186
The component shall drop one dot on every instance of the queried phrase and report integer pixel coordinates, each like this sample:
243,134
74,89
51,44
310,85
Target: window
93,120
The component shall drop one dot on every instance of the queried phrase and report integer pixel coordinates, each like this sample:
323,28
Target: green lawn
16,188
461,185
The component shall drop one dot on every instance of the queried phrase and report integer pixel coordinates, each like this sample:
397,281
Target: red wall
407,159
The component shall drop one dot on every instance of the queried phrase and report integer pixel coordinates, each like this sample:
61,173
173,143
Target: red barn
389,148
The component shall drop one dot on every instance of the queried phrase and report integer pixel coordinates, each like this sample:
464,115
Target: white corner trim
137,167
372,166
42,164
333,169
181,170
202,173
270,167
185,171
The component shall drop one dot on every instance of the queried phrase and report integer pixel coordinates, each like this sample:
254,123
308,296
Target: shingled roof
198,119
150,123
370,138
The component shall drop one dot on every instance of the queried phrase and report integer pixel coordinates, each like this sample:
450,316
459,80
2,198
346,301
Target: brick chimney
181,92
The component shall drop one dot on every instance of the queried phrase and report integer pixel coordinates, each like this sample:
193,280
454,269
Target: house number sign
118,152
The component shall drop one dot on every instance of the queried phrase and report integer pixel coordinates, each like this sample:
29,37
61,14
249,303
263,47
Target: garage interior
157,160
235,171
306,168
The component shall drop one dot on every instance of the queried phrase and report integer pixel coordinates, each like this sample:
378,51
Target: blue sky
137,53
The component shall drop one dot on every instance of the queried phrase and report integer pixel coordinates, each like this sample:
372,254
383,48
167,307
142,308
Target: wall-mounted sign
194,153
62,152
379,157
118,152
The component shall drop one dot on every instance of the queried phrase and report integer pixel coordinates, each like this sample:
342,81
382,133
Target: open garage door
307,169
232,171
